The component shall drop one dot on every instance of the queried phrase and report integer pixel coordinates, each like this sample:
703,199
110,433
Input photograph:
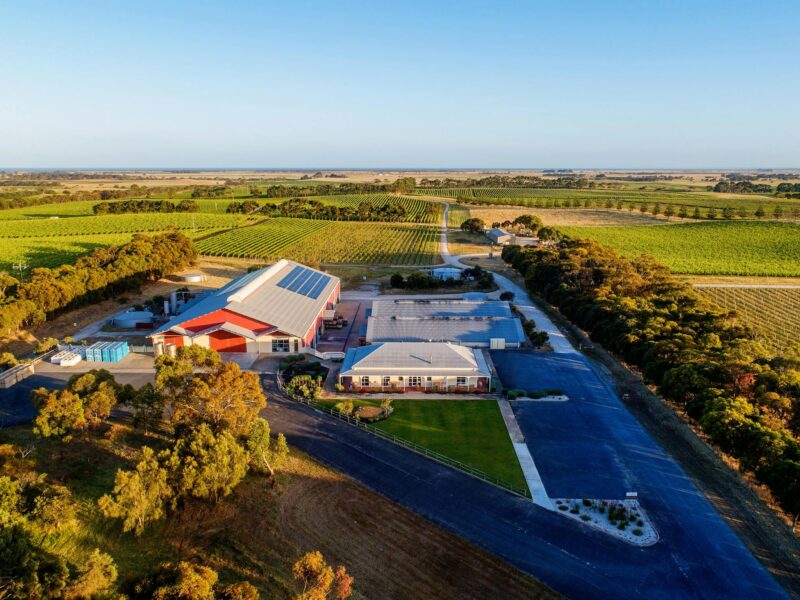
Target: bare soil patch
571,216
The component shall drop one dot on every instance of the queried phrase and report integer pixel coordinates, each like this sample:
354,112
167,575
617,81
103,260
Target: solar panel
305,282
288,279
317,289
306,287
295,285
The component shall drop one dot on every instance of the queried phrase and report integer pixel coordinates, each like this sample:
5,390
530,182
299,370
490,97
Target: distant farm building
446,273
499,236
278,309
478,324
415,367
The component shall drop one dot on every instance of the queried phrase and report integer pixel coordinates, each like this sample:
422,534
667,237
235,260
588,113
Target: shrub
586,502
637,532
575,510
507,296
7,360
339,387
585,517
304,386
640,522
563,507
45,345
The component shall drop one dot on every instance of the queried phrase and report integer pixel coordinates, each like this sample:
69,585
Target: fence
414,447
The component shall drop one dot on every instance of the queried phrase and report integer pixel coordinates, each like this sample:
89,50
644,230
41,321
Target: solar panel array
306,282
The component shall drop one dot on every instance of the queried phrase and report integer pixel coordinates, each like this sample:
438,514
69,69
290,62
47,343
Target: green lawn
469,431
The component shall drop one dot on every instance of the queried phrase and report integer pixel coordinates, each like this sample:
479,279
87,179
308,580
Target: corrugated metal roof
419,309
411,358
457,330
259,296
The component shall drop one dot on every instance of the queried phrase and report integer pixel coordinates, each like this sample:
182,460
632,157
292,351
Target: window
387,381
415,381
365,381
461,381
280,345
430,378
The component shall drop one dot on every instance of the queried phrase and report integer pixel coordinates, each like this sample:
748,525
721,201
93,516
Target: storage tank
192,277
132,319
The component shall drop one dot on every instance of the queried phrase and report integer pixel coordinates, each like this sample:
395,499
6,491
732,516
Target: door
223,341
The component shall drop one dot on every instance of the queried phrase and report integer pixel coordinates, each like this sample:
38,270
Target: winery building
278,309
415,366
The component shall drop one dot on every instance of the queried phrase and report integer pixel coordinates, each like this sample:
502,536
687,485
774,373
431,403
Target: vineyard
312,241
773,311
577,198
52,252
708,248
125,223
457,215
265,240
417,210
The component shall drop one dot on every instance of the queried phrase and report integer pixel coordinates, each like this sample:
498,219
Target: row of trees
144,206
699,355
509,181
306,208
100,275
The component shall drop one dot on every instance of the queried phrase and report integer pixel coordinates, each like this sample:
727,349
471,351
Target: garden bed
623,519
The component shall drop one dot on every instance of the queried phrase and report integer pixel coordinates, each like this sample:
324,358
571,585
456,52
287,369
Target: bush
397,281
508,296
304,386
575,510
562,507
586,502
45,345
7,360
637,532
585,517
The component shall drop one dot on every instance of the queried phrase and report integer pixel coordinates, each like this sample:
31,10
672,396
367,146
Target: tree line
700,356
509,181
306,208
100,275
144,206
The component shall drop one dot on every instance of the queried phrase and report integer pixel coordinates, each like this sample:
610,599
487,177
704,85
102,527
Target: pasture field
579,217
544,198
124,223
774,312
708,248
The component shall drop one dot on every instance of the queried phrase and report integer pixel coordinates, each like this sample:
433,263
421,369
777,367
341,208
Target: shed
499,236
446,273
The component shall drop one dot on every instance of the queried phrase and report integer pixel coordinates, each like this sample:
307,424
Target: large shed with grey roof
276,309
474,323
408,366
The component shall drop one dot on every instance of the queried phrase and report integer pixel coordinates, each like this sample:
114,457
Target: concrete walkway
529,470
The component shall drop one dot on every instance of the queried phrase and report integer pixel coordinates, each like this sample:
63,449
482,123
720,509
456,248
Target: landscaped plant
304,386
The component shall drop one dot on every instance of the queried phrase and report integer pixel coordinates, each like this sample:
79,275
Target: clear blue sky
406,84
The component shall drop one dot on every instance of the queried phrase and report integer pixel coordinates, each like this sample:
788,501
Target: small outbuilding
446,273
191,277
499,236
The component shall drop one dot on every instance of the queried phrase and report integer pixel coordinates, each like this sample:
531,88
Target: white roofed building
415,366
276,309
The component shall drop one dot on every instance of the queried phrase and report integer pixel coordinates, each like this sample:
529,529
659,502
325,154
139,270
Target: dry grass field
573,216
258,532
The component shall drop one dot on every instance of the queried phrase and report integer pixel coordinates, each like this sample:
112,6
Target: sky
594,84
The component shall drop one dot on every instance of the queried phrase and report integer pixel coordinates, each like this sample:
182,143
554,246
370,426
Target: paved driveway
698,557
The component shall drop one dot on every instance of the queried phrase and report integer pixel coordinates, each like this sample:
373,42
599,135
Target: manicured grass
469,431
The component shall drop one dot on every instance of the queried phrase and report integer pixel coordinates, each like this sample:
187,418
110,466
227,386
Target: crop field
313,241
265,240
368,244
457,214
708,248
545,198
51,252
126,223
774,312
417,210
